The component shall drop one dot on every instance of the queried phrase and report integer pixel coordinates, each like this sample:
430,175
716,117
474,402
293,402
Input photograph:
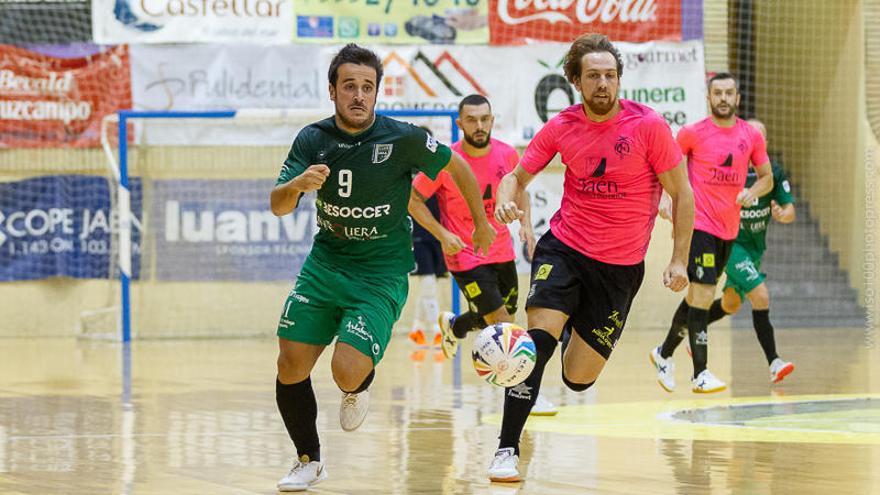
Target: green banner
391,21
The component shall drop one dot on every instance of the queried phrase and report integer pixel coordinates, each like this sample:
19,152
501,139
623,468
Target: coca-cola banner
514,22
59,102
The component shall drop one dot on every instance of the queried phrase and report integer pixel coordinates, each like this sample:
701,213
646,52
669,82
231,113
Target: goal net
206,256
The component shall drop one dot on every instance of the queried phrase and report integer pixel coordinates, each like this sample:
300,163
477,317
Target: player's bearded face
354,96
476,124
599,82
723,98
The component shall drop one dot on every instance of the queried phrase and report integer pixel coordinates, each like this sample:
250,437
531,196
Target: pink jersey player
611,188
718,162
454,215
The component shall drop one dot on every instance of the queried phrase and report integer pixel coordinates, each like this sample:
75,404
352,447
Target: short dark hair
723,76
584,44
354,54
474,99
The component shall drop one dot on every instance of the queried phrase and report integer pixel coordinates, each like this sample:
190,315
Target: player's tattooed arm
285,197
466,182
450,242
510,191
675,183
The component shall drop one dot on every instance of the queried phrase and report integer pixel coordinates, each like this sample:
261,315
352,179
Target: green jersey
363,225
753,220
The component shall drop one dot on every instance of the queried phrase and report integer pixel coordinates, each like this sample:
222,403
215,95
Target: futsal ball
504,354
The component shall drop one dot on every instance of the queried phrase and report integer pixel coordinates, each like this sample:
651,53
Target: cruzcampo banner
437,22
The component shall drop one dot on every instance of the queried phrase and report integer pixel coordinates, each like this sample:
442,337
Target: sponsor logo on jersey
473,289
332,210
623,146
543,272
750,214
595,186
431,143
382,152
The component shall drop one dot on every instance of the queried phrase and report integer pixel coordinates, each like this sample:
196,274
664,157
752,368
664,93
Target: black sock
365,384
716,312
299,410
698,336
764,330
465,322
519,400
677,330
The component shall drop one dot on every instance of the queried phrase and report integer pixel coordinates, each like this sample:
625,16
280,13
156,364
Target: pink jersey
454,213
718,162
611,190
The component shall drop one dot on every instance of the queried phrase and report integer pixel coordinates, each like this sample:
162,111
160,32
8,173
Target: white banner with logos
525,84
226,77
186,21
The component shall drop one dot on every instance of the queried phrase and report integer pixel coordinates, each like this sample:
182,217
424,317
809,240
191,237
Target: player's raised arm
466,182
675,183
285,197
508,205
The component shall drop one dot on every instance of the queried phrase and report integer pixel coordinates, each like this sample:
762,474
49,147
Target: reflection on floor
200,417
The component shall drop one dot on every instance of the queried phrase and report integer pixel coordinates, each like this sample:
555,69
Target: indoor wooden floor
199,416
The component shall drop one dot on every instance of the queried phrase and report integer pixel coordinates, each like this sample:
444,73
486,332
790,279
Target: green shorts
358,309
743,270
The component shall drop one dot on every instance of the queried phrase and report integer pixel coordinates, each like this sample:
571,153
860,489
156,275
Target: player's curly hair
354,54
584,44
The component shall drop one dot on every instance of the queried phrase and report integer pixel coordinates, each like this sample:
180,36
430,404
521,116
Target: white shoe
665,369
302,475
353,410
779,369
448,340
706,383
543,407
503,467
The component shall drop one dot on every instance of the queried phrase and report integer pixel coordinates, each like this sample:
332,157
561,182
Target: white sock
429,307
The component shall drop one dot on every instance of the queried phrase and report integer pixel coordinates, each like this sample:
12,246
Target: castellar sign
59,102
514,22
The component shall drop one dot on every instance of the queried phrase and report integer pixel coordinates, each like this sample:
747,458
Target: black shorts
489,287
597,296
429,258
708,256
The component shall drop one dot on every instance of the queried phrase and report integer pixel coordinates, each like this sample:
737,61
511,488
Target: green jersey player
353,284
744,277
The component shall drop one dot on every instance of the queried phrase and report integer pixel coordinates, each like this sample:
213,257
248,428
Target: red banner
516,22
59,102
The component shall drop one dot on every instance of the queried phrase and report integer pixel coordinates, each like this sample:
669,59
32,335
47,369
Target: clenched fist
313,178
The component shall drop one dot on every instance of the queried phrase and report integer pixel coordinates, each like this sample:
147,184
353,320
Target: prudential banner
188,21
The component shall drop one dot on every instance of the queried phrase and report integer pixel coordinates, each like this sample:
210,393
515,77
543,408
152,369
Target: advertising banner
517,22
59,102
223,77
188,21
223,230
45,21
438,22
667,76
61,226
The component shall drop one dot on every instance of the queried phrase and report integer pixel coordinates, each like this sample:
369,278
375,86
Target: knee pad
577,387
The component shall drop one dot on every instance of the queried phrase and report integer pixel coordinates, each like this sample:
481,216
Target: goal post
140,134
